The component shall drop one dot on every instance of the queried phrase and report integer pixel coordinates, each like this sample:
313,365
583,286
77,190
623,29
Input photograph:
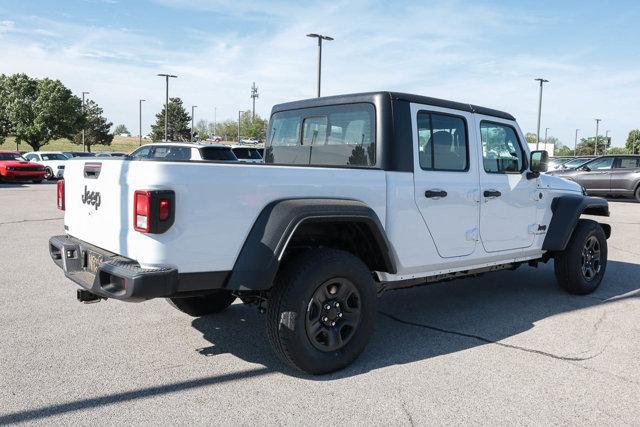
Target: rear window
10,156
247,153
341,135
164,152
217,153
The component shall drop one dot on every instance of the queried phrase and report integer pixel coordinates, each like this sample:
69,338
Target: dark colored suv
607,175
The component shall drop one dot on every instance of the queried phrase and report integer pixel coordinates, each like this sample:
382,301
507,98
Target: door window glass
501,149
628,163
442,142
600,164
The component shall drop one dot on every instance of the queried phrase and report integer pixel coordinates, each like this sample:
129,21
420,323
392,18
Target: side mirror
537,163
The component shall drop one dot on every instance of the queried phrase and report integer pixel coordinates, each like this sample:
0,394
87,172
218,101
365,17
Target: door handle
492,193
435,194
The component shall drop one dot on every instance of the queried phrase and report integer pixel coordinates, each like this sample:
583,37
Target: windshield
11,156
54,156
575,163
217,153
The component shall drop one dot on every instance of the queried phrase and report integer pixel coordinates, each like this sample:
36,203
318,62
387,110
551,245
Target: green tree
41,110
96,127
530,137
618,150
121,128
179,126
5,124
563,151
633,141
202,129
586,145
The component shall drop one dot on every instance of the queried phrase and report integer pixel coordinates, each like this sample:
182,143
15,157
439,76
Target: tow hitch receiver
87,297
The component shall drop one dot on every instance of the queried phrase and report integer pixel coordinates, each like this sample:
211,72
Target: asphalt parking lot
504,348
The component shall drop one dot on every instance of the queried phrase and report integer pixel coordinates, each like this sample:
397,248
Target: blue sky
482,52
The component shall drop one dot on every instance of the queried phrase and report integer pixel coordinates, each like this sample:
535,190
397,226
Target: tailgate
96,203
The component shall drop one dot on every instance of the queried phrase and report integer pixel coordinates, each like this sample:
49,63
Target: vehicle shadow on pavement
429,321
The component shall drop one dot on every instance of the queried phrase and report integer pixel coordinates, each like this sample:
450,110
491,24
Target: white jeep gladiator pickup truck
358,194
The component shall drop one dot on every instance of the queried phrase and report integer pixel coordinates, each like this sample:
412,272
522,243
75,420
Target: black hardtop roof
369,96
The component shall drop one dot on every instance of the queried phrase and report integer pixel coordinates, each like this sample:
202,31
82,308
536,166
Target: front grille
27,169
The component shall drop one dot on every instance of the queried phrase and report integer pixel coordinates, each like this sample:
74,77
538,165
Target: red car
15,168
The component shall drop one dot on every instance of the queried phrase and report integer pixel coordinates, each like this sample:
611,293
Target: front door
597,179
508,206
446,178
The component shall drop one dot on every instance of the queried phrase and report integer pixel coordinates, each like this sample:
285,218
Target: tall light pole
254,95
575,144
140,117
83,94
320,37
215,113
193,114
546,130
606,135
595,150
166,103
542,81
239,112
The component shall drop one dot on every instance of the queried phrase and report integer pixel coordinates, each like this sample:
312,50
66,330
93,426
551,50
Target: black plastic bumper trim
122,278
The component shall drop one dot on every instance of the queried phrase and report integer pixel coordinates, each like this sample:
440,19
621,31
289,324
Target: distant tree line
37,111
179,126
586,146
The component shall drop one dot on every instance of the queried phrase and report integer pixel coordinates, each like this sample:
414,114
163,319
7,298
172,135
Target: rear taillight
60,194
153,210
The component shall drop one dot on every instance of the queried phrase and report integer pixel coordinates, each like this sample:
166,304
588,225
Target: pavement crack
30,220
490,341
403,405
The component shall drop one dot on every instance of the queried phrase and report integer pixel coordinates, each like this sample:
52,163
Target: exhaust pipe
87,297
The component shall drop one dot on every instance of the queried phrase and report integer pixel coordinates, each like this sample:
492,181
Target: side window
501,149
30,157
141,153
442,142
336,135
600,164
628,163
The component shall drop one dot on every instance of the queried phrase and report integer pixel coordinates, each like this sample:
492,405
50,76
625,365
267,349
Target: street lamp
607,144
215,113
140,101
542,81
83,94
193,113
575,144
320,37
166,105
546,130
595,150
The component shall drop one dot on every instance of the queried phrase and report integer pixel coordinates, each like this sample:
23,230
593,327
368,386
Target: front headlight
10,168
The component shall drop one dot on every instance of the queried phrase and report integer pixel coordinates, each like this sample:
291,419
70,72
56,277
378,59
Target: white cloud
6,26
433,50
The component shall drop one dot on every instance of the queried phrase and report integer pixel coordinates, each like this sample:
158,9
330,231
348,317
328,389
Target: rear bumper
112,276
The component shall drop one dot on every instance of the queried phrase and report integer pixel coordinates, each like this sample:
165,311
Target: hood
550,182
15,163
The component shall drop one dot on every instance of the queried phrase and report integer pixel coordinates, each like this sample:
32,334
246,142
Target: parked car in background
111,154
74,154
53,162
215,138
247,154
607,176
14,168
249,141
185,151
557,162
575,162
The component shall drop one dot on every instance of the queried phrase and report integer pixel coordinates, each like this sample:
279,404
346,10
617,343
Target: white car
185,151
360,194
248,154
53,162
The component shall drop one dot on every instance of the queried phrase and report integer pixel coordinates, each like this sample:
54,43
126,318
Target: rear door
624,174
509,202
597,180
446,178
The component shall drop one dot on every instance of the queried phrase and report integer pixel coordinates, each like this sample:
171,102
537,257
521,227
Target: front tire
321,311
581,266
637,194
203,305
48,173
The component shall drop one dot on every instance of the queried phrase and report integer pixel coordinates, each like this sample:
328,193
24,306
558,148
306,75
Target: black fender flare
566,213
259,258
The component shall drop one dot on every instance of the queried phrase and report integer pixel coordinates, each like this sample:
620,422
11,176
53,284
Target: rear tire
581,266
321,311
203,305
637,194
